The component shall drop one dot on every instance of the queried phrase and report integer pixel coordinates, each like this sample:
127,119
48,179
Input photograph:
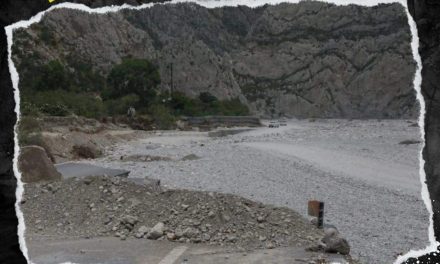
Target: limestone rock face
309,59
35,165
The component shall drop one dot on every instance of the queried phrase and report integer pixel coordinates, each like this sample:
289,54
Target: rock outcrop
309,59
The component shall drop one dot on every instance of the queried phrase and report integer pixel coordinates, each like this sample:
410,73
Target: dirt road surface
110,250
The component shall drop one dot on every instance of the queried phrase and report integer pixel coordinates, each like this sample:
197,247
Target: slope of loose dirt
102,206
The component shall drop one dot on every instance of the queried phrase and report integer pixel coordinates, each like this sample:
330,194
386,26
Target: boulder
190,232
334,243
142,231
35,165
129,221
157,231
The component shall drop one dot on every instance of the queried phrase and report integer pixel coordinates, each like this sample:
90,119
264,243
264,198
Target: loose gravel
101,206
379,222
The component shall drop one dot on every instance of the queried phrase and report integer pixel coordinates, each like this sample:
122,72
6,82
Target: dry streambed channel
244,188
364,171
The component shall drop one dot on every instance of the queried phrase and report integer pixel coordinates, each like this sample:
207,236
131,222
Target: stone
51,188
190,232
206,237
226,217
261,219
171,236
334,243
190,157
88,180
35,165
142,230
232,239
270,245
129,220
178,232
157,231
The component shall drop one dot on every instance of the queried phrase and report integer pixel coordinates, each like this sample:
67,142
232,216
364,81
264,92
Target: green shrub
27,139
206,104
233,108
162,116
84,77
183,105
55,109
133,76
54,89
28,124
62,103
53,76
35,139
29,133
28,109
120,106
207,98
47,36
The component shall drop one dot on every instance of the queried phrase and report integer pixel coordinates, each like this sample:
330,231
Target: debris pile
105,206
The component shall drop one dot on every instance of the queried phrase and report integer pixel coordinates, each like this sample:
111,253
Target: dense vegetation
60,90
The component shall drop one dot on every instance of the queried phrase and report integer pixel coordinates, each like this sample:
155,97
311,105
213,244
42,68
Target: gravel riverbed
363,171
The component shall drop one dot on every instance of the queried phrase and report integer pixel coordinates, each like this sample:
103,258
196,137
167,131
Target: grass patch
29,134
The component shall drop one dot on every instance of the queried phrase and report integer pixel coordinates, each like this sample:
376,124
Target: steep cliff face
307,60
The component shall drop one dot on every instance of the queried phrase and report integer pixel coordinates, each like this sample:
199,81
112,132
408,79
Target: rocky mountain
310,59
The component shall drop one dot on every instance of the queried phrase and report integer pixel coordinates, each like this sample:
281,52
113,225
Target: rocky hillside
307,60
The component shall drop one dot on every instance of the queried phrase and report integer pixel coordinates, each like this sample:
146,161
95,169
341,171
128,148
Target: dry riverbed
366,172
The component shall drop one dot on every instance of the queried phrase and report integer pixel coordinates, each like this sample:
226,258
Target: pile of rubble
104,206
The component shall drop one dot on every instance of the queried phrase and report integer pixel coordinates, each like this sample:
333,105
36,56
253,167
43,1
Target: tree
207,97
53,77
133,76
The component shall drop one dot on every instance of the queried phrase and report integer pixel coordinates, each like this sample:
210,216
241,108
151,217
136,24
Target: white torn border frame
213,4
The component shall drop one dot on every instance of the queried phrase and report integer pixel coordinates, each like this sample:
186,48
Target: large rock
35,165
142,231
129,221
334,243
157,231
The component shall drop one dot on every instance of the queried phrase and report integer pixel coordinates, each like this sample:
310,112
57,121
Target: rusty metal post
316,209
